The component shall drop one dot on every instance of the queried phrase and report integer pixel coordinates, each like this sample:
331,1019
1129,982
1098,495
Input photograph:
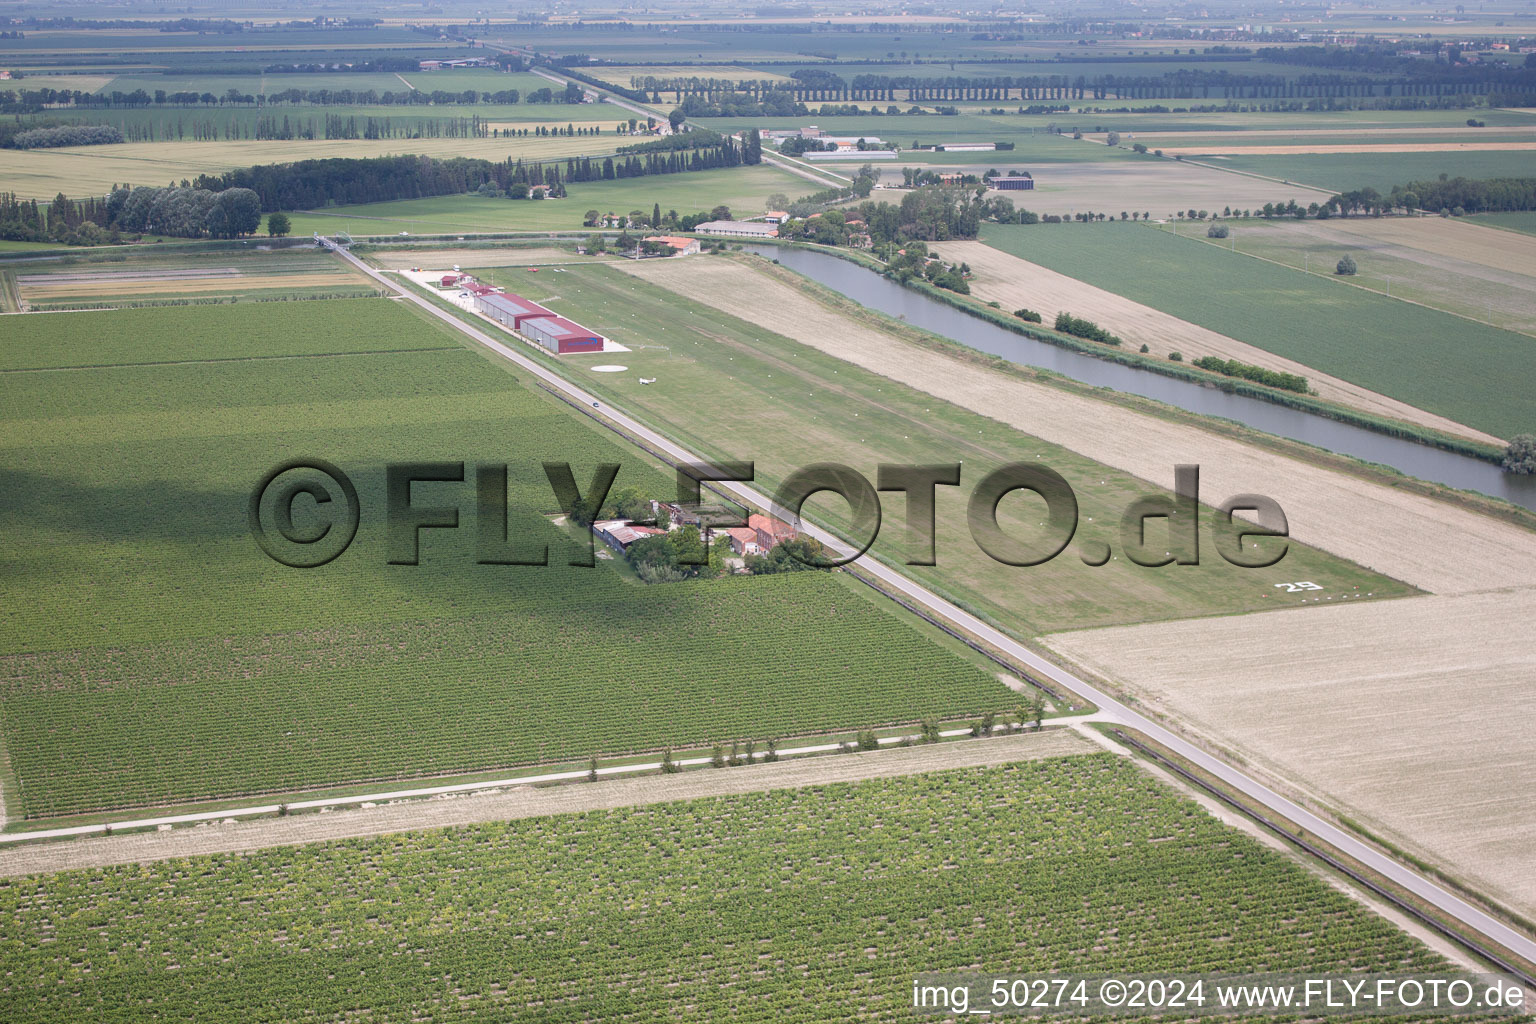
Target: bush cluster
1257,374
1066,323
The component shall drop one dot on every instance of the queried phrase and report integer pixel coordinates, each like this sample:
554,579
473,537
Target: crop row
162,334
106,728
787,906
151,653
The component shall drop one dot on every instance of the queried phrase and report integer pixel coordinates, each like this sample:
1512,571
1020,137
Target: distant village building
850,154
1012,182
743,541
769,532
679,246
739,228
619,534
454,62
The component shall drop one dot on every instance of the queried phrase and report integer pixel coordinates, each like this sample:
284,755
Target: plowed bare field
1411,716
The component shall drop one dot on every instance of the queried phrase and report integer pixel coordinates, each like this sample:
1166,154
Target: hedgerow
1258,374
1066,323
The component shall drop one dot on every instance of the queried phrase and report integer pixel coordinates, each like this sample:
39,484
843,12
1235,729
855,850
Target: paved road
1113,710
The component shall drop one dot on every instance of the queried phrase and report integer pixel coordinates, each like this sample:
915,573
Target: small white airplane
647,380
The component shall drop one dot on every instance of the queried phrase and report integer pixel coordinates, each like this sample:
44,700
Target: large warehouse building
539,325
558,334
1012,182
509,310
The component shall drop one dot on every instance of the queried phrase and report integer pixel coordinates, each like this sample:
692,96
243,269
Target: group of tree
65,135
1257,374
47,97
913,177
671,221
794,555
914,262
179,211
676,555
1520,456
1066,323
1466,194
235,127
308,184
679,554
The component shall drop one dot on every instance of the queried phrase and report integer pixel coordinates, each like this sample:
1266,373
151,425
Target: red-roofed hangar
510,310
558,334
539,325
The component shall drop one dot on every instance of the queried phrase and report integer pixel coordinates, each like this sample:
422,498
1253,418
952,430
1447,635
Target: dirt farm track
1454,666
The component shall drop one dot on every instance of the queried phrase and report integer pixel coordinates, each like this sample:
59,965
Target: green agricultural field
1469,372
8,246
255,84
1342,172
733,390
1503,297
93,170
625,77
152,654
744,189
1523,222
790,905
148,275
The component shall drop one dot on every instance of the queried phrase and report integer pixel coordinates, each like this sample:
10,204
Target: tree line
346,181
1466,195
713,97
178,211
66,135
23,99
1258,374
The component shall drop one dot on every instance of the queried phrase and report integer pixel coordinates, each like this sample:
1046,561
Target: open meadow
1464,371
1452,264
152,654
100,280
790,905
1342,172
